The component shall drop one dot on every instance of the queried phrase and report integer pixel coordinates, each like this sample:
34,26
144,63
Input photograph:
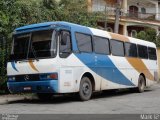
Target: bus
61,57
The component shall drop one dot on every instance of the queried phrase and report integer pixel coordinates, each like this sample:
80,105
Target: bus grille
22,78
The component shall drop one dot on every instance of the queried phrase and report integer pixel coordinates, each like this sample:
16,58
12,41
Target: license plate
27,88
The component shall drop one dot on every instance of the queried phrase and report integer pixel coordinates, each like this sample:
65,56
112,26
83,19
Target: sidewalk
11,97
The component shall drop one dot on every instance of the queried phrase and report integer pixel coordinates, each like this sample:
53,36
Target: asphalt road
123,102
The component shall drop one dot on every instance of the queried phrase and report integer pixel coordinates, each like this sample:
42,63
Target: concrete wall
158,51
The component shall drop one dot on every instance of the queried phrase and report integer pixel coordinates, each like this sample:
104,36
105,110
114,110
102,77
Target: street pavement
108,102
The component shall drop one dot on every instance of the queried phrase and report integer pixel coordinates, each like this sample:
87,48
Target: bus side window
65,44
101,45
117,47
131,49
143,52
84,42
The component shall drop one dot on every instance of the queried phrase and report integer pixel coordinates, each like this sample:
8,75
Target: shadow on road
68,98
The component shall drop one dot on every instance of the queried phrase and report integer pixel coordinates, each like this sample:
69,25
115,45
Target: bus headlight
11,79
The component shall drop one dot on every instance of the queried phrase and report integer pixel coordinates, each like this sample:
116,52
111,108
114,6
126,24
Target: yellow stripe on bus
32,65
119,37
136,63
139,65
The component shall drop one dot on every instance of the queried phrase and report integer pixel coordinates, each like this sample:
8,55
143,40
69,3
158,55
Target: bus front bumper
50,86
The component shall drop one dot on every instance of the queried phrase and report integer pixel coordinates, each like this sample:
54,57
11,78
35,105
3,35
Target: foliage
77,13
16,13
149,35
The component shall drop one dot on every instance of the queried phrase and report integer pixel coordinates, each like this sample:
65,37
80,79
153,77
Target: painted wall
158,50
99,5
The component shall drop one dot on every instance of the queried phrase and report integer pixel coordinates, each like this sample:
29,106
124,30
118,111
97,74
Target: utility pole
117,16
105,23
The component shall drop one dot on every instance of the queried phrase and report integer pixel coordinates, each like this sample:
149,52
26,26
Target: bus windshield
39,44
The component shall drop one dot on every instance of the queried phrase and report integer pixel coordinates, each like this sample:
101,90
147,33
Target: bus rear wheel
45,96
85,91
141,84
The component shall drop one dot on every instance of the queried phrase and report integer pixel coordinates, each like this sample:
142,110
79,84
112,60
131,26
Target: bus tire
44,96
85,90
141,84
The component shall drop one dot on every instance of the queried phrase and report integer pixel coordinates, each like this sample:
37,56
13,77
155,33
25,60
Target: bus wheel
45,96
85,91
141,84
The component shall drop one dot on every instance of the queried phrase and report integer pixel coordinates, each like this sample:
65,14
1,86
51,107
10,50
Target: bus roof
89,30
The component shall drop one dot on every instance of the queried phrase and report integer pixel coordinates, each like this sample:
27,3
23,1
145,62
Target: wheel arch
90,76
144,78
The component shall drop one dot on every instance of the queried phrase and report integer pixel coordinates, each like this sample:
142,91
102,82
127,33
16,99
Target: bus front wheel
85,91
141,84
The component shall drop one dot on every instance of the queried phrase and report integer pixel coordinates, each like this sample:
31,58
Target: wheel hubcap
86,89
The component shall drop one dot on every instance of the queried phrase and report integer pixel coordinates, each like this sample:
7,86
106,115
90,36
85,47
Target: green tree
76,11
16,13
149,35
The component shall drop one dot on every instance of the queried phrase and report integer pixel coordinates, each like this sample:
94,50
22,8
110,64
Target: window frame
123,47
70,42
91,42
108,45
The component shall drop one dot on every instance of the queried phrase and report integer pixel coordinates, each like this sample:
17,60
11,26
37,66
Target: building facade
135,15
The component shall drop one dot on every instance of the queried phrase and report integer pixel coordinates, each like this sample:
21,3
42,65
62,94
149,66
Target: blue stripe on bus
104,67
14,66
46,86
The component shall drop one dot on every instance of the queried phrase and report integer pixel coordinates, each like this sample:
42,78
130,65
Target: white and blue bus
61,57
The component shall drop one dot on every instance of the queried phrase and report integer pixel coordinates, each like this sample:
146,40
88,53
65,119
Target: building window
133,11
84,42
101,45
143,10
133,33
98,5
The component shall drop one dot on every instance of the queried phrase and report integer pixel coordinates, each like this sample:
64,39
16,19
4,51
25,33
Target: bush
149,35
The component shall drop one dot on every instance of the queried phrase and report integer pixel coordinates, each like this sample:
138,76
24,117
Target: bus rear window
152,53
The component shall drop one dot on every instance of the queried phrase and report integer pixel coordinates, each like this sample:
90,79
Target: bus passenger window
65,44
131,50
142,52
101,45
84,42
117,48
152,53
